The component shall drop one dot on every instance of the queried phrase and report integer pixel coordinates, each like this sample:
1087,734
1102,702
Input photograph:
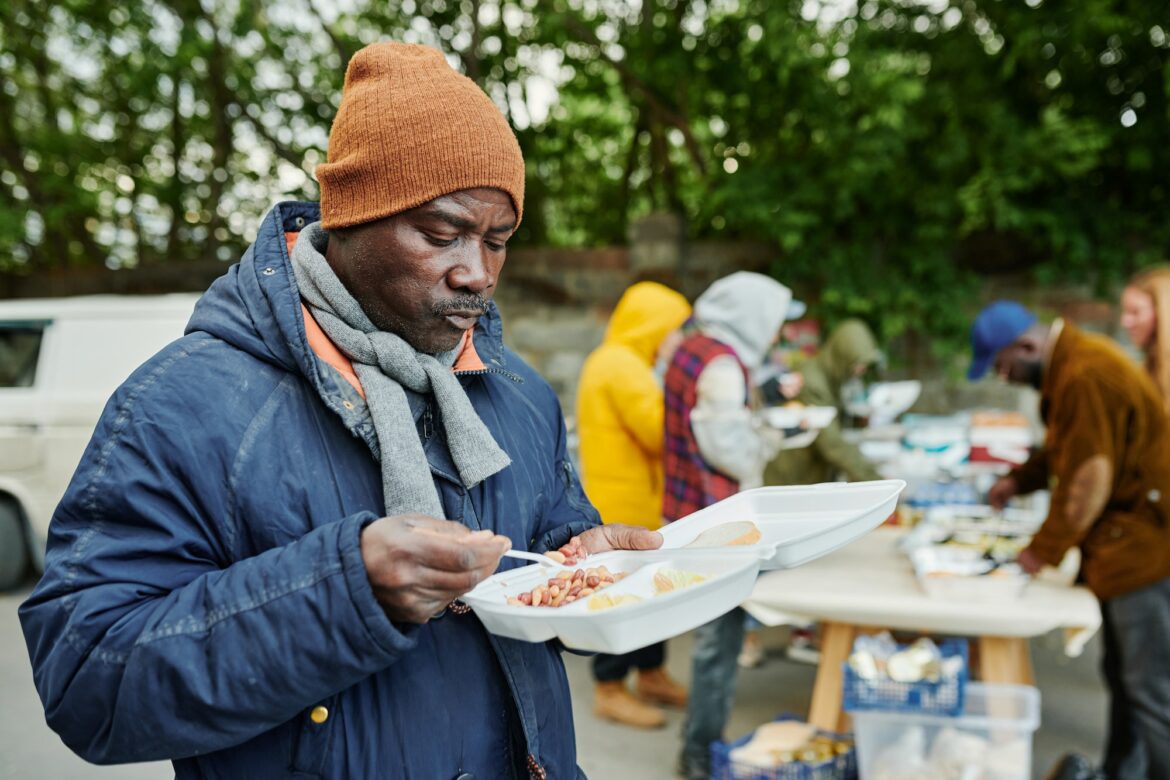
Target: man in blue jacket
255,571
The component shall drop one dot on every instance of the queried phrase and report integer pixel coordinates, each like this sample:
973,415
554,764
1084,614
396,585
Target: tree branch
284,152
634,83
344,50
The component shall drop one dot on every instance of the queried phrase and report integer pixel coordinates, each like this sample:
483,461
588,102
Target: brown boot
612,701
655,685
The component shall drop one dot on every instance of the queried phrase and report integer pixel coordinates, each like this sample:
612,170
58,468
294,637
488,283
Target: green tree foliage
892,150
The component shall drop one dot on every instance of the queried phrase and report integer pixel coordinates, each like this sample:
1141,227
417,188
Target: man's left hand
1029,561
604,538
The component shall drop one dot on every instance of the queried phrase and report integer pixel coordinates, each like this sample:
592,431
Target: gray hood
745,311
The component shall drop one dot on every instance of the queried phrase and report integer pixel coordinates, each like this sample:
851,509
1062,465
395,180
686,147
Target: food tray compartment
625,627
797,524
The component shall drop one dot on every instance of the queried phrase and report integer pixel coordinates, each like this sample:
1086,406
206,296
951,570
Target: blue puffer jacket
204,593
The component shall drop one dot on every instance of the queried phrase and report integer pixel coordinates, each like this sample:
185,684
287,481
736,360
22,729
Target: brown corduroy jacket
1104,416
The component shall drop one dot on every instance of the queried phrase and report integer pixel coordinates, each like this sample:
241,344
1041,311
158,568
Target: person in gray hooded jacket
715,446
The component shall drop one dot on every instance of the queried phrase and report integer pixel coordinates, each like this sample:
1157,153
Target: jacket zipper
428,423
502,372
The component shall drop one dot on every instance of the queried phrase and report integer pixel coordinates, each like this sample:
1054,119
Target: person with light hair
1145,316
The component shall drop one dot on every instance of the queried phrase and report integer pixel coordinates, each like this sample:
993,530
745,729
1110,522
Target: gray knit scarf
385,364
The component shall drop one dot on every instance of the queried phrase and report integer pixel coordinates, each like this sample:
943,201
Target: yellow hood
646,312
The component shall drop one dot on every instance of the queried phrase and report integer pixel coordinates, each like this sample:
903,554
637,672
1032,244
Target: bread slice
733,534
784,735
771,741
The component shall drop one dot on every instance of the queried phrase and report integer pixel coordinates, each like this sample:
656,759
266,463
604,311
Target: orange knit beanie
411,129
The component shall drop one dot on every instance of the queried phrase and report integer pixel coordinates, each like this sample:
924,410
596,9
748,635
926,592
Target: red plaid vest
690,483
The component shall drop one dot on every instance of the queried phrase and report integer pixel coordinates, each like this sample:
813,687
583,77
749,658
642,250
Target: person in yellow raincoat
619,420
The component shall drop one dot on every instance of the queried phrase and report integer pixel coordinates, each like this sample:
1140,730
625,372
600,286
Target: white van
60,360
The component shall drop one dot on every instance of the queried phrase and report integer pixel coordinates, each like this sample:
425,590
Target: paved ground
1073,713
28,749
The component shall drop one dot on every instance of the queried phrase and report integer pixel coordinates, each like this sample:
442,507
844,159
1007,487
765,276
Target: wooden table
869,586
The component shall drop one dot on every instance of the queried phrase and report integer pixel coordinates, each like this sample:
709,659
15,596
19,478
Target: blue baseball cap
997,326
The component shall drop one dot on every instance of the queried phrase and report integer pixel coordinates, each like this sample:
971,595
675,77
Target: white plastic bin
991,740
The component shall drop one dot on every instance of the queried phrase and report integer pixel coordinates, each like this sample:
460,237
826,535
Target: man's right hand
1005,489
417,565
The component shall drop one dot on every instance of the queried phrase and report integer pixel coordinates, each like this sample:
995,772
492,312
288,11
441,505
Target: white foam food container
797,524
812,418
1008,521
966,575
729,581
887,400
954,522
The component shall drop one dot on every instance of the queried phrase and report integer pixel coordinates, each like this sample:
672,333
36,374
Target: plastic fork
538,558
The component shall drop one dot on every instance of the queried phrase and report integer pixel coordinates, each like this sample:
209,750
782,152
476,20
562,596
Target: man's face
1021,362
427,274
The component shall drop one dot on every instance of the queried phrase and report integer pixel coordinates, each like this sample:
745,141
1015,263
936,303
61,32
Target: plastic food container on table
966,575
626,627
991,739
1010,521
797,524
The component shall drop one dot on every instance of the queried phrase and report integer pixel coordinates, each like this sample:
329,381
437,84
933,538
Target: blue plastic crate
842,767
944,697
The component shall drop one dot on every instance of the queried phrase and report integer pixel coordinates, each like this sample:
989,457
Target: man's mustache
473,302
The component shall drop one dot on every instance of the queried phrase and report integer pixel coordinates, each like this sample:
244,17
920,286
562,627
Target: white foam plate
800,440
887,400
1010,520
963,574
797,524
812,418
620,629
880,450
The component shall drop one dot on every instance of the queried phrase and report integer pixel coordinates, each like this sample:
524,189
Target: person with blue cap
1106,461
997,327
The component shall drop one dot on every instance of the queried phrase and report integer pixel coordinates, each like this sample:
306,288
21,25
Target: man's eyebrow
462,223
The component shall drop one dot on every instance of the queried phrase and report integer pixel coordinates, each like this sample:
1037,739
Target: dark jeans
607,668
1136,634
717,646
1125,758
